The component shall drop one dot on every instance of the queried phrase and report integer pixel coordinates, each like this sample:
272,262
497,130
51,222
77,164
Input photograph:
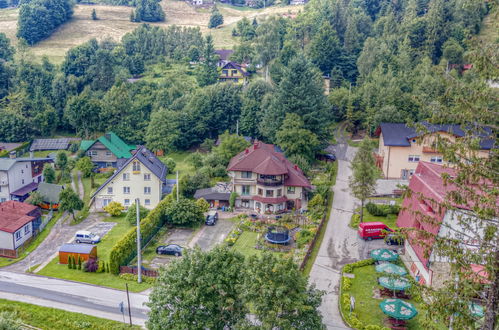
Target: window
136,166
26,230
3,199
147,190
92,153
126,176
436,159
109,190
147,177
269,193
0,188
225,72
18,235
105,202
127,202
22,181
245,203
291,190
26,165
246,175
258,205
413,158
109,164
279,192
126,190
22,171
245,190
413,140
147,201
108,153
260,191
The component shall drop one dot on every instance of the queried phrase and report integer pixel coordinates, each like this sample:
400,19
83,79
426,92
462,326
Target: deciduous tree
295,140
185,212
48,173
70,201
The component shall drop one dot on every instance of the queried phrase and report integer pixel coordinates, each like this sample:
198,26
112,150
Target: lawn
34,244
56,319
390,220
245,244
54,269
182,166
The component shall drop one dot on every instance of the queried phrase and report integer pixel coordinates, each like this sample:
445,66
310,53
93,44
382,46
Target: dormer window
136,166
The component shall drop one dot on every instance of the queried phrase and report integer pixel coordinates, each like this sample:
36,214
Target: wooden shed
85,251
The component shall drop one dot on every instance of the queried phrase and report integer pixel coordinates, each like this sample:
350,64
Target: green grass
390,220
33,244
54,269
245,244
57,319
45,153
182,166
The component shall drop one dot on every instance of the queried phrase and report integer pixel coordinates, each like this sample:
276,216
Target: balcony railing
270,183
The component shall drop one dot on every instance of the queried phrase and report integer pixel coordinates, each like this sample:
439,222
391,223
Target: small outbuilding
85,251
50,194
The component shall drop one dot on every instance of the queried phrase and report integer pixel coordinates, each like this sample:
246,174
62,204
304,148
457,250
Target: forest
386,60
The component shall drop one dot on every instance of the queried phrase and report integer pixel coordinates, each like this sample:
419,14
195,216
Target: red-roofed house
18,223
428,192
266,181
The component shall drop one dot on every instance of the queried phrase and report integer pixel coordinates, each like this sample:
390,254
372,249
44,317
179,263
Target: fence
133,270
312,245
46,220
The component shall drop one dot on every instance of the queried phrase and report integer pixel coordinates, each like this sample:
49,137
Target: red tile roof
262,158
14,215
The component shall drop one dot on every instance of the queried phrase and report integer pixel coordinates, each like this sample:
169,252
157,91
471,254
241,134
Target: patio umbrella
393,283
476,310
390,268
384,255
398,309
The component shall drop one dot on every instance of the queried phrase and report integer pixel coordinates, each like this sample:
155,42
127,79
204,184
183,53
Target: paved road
72,296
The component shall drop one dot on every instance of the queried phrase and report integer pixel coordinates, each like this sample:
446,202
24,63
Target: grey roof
76,248
9,146
50,144
50,192
7,163
224,54
148,159
399,135
211,194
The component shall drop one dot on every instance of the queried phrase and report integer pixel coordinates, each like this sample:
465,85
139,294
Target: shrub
114,209
232,199
303,237
73,147
69,262
394,209
134,278
348,268
91,266
346,283
376,210
203,205
355,220
170,164
79,262
131,214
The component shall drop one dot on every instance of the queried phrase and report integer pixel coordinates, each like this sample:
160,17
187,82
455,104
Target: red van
373,230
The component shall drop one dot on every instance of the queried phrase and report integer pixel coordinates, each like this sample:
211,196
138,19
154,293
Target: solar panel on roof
50,144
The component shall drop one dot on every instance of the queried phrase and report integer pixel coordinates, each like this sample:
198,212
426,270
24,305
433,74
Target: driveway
209,236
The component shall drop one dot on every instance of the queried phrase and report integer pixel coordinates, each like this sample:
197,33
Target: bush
346,283
355,221
73,147
131,214
114,209
90,266
303,237
203,205
170,164
376,210
134,278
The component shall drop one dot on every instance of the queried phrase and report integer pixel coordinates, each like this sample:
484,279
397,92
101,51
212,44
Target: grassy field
490,28
182,166
56,319
245,244
114,22
54,269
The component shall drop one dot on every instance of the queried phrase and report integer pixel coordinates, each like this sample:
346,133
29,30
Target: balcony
269,182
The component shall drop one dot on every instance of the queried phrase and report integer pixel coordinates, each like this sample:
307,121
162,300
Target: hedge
382,210
126,248
350,267
22,147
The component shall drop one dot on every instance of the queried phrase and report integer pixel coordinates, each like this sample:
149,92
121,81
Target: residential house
6,148
202,3
18,223
233,72
266,181
402,147
50,195
223,56
142,176
107,152
20,176
428,192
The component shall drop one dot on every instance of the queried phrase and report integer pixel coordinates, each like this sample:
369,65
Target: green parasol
390,268
394,283
384,255
398,309
476,310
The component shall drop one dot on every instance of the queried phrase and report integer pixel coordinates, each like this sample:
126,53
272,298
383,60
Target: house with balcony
20,176
142,176
266,181
108,152
233,72
401,147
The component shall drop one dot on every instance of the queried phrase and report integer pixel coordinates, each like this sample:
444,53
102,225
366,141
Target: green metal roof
116,145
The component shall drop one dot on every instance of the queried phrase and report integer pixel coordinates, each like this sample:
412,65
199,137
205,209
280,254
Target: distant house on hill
108,151
223,56
233,72
202,3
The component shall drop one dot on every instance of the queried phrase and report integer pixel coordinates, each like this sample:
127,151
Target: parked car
171,249
373,230
84,236
211,218
394,239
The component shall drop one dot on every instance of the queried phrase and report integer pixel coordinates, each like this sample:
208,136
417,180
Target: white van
84,236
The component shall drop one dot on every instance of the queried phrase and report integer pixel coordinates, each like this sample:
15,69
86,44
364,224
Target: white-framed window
26,230
413,158
109,190
279,192
126,190
108,153
105,202
436,159
92,153
18,235
269,193
245,203
147,190
245,190
136,166
126,176
147,176
22,181
147,202
126,202
291,190
246,175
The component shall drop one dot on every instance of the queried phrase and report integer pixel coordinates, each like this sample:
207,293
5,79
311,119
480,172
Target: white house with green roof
108,151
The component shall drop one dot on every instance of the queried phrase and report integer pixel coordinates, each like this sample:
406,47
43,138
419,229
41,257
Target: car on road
171,249
211,218
85,236
394,239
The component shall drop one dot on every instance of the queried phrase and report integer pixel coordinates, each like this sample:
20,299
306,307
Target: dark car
394,239
172,249
211,218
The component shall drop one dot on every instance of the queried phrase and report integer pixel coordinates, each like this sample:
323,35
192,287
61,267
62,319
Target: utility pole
178,188
128,298
139,254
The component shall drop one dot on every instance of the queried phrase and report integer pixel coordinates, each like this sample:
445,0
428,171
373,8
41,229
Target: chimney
12,154
108,136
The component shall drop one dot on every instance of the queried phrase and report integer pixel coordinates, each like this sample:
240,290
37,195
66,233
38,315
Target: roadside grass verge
34,244
57,319
389,220
54,269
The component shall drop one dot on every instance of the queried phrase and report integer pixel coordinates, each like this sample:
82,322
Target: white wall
24,236
6,241
4,185
18,172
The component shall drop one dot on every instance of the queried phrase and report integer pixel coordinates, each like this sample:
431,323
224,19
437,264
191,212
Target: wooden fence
314,241
133,270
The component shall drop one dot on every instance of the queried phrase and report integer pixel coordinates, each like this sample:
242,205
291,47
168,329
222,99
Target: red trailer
373,230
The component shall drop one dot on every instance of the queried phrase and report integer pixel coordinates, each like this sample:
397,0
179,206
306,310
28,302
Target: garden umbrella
391,269
398,309
393,283
384,255
476,310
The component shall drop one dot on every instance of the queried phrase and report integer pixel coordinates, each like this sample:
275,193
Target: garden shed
85,251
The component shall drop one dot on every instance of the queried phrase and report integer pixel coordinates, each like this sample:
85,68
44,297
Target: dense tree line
39,18
147,11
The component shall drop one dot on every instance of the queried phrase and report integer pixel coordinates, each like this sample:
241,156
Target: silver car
84,236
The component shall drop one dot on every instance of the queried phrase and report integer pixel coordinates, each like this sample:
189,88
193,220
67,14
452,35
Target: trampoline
277,235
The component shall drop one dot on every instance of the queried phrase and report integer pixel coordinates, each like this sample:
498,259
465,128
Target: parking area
100,229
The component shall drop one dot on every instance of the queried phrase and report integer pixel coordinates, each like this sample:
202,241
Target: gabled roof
50,192
234,65
148,159
399,134
267,159
7,163
14,215
113,142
